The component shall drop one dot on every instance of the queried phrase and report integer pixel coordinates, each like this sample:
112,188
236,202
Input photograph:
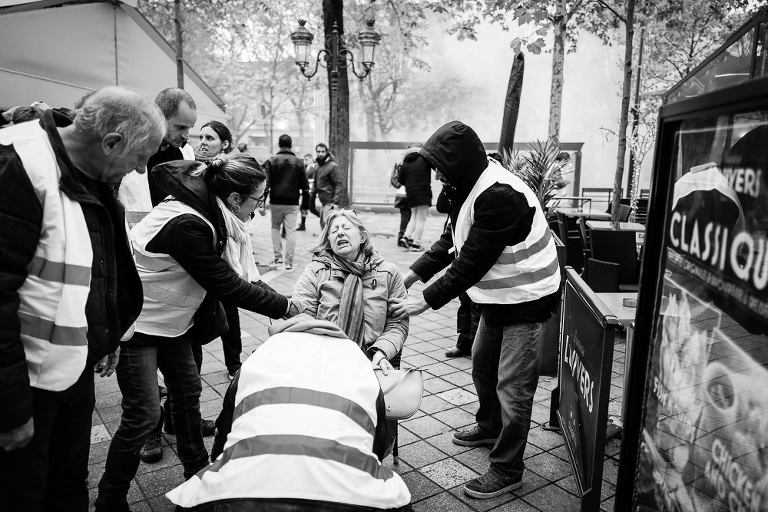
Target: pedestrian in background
415,174
401,203
328,186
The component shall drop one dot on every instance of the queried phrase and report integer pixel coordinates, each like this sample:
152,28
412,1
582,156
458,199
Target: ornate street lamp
335,55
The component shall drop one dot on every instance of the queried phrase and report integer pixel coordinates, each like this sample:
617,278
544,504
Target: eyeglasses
259,201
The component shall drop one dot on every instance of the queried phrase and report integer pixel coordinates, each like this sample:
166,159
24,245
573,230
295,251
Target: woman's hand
404,308
379,361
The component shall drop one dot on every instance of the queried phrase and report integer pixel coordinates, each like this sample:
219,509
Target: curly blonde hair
366,246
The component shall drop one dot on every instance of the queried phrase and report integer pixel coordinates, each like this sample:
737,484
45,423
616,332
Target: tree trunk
179,44
558,58
338,138
624,119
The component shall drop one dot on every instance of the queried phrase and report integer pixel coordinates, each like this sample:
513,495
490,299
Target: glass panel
704,444
761,63
727,69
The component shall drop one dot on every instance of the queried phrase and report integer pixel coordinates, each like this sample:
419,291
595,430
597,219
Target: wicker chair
602,276
617,247
569,234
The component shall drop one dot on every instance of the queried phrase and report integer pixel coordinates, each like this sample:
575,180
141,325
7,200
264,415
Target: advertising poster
704,445
581,365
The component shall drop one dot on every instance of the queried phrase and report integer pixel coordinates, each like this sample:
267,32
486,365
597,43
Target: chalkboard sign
586,355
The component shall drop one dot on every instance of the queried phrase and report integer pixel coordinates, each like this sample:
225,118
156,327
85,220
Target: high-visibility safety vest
303,428
53,297
525,271
134,191
171,295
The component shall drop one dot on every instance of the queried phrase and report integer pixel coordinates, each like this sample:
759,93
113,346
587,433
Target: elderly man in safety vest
501,253
302,429
68,287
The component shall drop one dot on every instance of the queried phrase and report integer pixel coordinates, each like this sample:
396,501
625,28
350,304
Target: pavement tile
419,360
545,439
461,363
476,459
439,369
213,379
459,378
448,473
426,426
400,468
162,504
405,437
441,503
482,505
444,443
548,466
553,498
471,408
608,505
432,404
445,343
157,483
420,486
94,474
455,418
437,385
540,413
517,505
531,483
108,399
458,396
420,346
99,433
420,454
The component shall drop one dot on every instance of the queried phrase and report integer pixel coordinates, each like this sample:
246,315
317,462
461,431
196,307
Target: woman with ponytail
191,250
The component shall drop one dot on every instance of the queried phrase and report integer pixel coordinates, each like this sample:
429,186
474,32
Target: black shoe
302,226
403,242
456,352
416,247
208,427
152,451
282,232
473,437
489,486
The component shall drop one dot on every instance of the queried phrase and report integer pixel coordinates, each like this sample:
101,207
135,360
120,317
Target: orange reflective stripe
59,272
526,278
47,330
522,254
301,445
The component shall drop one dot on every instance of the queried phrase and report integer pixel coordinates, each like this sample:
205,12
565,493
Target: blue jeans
51,472
505,370
137,376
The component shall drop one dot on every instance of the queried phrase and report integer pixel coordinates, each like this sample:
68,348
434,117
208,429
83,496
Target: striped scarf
351,310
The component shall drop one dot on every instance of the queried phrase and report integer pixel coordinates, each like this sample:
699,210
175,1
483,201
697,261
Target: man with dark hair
140,194
69,289
242,147
328,185
287,177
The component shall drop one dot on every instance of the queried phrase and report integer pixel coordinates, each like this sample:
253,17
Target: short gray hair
119,110
325,243
169,101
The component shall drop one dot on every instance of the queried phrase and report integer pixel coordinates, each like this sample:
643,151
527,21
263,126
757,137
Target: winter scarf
238,252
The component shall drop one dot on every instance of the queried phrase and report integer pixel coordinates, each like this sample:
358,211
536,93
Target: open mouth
342,243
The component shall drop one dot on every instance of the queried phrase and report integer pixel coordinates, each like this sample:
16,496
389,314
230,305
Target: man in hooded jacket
501,252
328,186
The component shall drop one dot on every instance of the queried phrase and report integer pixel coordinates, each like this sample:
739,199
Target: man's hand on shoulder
18,437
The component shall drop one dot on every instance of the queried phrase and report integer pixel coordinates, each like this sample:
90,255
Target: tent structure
56,51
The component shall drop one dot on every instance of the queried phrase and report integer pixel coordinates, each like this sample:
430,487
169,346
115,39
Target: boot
303,225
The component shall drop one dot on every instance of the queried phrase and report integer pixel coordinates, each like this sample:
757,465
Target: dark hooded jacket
502,217
415,174
189,241
328,184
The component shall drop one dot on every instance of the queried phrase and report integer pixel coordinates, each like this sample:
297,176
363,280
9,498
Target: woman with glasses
192,247
348,283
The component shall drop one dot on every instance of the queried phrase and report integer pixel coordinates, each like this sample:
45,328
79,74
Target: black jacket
502,217
286,177
189,241
328,183
115,297
415,174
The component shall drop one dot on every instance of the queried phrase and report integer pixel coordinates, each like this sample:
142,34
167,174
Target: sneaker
288,267
208,427
152,451
232,374
403,242
473,437
275,263
489,486
416,247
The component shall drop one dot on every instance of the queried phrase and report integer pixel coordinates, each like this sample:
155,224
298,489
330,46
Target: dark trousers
405,218
231,340
137,376
467,320
51,472
505,370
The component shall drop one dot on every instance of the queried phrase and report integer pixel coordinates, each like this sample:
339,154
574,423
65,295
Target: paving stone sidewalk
431,465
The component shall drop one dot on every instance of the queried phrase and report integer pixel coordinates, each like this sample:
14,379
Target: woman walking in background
415,175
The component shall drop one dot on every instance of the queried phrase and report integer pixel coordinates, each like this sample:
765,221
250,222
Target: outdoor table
624,226
578,212
572,199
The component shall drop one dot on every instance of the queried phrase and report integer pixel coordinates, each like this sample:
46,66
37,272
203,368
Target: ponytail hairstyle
224,134
238,172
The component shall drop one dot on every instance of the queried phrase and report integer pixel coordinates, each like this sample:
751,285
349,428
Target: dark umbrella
512,105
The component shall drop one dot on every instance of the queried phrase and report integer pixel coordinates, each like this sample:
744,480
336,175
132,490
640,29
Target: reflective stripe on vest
53,297
171,295
523,272
303,428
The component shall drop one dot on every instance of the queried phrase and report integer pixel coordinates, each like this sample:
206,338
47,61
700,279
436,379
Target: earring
238,209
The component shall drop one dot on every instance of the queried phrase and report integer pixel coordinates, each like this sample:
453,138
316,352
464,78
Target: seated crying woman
349,283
